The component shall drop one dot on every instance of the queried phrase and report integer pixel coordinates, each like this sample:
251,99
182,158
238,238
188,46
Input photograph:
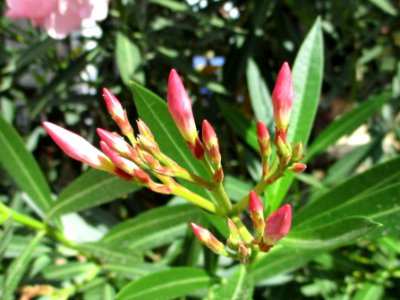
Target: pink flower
282,97
208,239
58,17
78,148
180,108
256,210
278,225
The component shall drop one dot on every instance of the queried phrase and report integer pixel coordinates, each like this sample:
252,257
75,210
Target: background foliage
229,53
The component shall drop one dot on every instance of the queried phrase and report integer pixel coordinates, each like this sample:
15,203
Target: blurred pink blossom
58,17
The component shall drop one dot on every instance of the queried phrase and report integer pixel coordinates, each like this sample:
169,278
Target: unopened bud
119,161
244,253
148,144
234,238
78,148
263,139
297,153
180,108
116,111
299,167
197,149
219,175
114,141
278,225
283,148
208,239
256,211
144,130
282,97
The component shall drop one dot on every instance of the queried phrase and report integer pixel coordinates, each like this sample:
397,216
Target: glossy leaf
368,194
111,253
259,94
238,286
23,168
330,235
5,237
280,260
307,80
370,291
133,271
153,228
236,188
17,268
101,291
129,59
91,189
69,270
346,124
168,284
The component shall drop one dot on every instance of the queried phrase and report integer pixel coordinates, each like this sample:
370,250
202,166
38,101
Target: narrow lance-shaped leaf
238,286
91,189
23,168
168,284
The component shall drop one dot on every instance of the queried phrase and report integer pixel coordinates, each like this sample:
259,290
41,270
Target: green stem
219,191
35,224
274,174
196,199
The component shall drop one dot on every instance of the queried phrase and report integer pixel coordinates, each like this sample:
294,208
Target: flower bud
219,175
116,111
78,148
119,161
210,141
144,130
256,210
180,108
299,167
282,97
297,153
114,141
208,239
263,139
244,253
278,225
234,238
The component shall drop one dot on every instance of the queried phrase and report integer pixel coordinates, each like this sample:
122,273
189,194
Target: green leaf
69,270
153,228
23,168
33,52
280,260
5,237
259,93
371,194
307,79
129,59
236,188
238,286
346,124
386,6
91,189
102,291
111,253
370,291
175,6
18,244
18,267
329,236
168,284
245,128
133,271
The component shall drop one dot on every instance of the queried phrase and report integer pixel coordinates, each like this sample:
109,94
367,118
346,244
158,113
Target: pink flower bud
210,140
208,239
282,97
234,236
180,108
219,175
256,210
124,164
78,148
114,141
116,111
299,167
278,225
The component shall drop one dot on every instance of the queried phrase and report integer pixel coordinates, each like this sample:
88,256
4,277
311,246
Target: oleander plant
206,185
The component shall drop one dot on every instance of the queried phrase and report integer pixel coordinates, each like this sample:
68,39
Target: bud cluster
240,243
137,158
